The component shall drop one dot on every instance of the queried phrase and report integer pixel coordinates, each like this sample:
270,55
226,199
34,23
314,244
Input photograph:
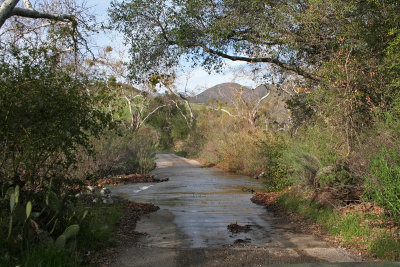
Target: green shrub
349,227
171,123
98,227
275,175
45,115
314,150
383,183
47,257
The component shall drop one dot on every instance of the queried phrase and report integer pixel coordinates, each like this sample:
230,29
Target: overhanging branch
34,14
284,66
8,9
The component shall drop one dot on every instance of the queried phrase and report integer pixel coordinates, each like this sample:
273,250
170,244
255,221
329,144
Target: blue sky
199,79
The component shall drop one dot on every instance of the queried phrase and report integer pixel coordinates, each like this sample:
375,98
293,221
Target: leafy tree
46,114
169,121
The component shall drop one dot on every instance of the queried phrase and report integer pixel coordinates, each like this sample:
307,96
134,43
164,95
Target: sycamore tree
62,26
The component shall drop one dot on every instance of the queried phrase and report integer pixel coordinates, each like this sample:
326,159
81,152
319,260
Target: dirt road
196,206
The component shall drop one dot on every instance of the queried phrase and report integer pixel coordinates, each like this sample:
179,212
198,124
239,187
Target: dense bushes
55,133
225,141
171,123
46,115
237,146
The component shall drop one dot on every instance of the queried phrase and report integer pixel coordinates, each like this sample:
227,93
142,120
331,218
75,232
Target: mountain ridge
226,92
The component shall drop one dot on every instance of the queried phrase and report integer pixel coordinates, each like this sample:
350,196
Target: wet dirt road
196,206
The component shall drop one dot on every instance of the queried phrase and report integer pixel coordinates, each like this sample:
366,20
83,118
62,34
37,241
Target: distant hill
226,92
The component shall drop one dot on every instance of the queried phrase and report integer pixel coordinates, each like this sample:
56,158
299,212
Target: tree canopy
293,35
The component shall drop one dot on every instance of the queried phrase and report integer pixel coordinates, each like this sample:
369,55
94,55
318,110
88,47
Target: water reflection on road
203,202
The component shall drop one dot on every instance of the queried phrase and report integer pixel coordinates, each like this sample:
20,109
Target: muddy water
202,202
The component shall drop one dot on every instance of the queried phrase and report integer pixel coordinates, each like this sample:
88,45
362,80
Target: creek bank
129,179
324,222
98,192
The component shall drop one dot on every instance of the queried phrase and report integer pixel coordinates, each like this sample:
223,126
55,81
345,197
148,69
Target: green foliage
27,222
51,257
59,227
71,231
97,230
170,124
386,247
310,151
301,110
350,227
95,233
275,175
46,115
305,207
252,29
383,184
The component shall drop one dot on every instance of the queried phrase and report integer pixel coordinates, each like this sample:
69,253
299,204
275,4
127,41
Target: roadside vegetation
55,139
67,121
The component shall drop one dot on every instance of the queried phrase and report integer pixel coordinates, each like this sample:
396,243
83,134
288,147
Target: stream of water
203,201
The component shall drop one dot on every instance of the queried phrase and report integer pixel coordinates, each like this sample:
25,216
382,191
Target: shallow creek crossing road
196,206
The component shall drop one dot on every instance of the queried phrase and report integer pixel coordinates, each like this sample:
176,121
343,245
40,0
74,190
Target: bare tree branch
180,110
148,115
255,109
34,14
181,96
8,9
